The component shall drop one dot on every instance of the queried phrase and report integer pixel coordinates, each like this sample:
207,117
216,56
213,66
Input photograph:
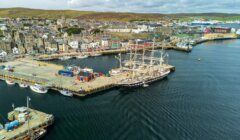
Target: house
74,44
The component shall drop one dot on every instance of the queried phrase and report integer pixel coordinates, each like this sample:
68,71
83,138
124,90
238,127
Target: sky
138,6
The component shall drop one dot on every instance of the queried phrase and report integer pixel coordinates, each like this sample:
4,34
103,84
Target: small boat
82,56
39,89
145,85
10,82
199,59
115,72
66,93
65,58
96,54
39,134
23,85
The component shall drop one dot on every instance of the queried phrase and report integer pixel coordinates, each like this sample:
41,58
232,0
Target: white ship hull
65,58
66,93
39,89
82,56
96,54
10,82
23,85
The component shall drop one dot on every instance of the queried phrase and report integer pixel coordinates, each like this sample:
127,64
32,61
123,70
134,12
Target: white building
105,42
15,50
120,30
3,27
238,32
73,44
3,53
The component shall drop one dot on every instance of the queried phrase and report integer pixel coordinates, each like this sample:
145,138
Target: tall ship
141,69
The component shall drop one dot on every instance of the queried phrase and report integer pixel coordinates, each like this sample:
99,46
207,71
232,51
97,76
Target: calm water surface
201,100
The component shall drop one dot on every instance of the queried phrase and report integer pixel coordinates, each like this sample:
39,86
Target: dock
46,57
38,120
30,72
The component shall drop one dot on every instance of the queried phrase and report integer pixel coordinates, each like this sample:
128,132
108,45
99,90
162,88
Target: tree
74,30
96,31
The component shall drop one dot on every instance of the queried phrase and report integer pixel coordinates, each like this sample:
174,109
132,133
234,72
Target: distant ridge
110,16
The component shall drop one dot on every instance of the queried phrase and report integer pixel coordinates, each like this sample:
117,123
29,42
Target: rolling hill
110,16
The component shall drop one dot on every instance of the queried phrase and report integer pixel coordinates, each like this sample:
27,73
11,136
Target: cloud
158,6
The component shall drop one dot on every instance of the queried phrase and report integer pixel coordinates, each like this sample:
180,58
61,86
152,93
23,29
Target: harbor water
200,100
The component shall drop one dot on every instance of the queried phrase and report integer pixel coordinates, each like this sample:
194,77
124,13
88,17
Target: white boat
65,58
96,54
145,85
38,135
23,85
115,72
66,93
39,89
82,56
10,82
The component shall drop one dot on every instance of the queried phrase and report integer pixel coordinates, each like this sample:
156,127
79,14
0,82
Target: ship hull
147,81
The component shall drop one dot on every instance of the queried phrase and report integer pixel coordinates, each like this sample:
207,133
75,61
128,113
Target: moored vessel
39,89
22,85
10,82
144,69
66,93
65,58
82,56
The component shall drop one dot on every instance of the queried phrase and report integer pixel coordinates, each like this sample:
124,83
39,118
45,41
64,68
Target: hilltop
110,16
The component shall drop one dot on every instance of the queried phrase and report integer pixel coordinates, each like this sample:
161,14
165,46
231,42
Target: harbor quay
37,122
30,72
46,57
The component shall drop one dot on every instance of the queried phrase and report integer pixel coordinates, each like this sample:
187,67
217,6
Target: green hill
110,16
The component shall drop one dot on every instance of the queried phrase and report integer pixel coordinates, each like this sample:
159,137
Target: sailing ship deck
30,72
39,120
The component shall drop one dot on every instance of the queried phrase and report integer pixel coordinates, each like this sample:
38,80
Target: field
111,16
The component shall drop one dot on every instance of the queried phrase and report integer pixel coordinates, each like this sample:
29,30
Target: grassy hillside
24,12
110,16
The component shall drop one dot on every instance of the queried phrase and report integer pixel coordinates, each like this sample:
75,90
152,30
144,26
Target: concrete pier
32,72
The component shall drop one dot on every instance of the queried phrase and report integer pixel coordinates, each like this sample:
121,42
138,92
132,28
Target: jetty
46,57
37,121
28,71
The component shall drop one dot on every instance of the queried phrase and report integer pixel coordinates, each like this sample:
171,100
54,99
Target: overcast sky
142,6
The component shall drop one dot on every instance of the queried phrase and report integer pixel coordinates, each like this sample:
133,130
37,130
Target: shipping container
11,125
66,73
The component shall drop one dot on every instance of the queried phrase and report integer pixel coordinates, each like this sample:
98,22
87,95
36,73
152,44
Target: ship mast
134,60
28,123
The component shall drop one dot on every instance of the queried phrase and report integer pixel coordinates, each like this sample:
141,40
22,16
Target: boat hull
10,82
82,57
23,85
37,90
66,93
145,82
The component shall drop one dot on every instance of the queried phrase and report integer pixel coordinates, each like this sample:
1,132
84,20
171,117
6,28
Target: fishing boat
82,56
184,45
39,134
96,54
39,89
9,82
66,93
23,85
65,58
